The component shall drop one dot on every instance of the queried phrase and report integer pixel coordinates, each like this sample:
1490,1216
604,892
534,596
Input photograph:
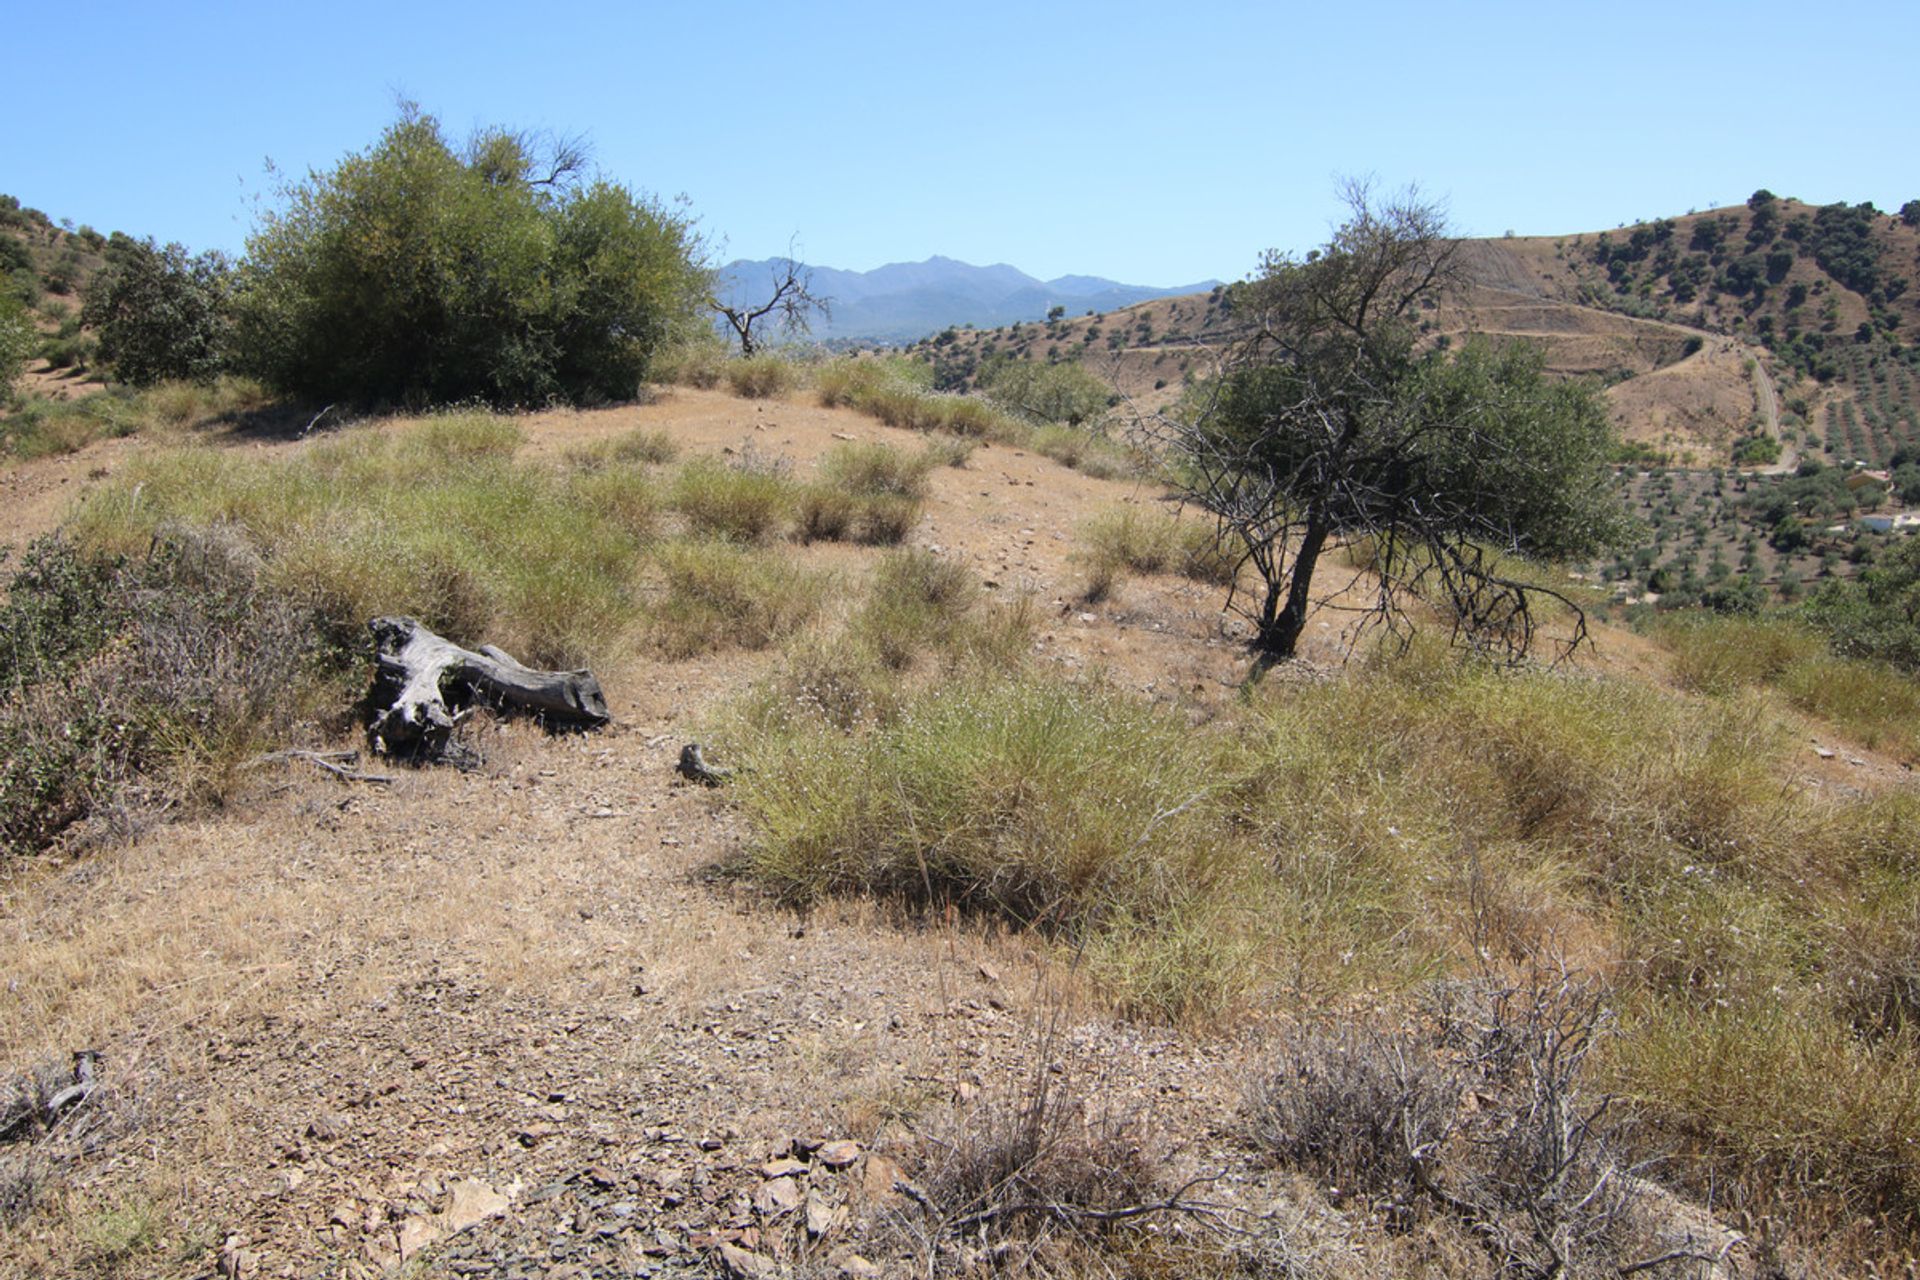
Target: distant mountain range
903,301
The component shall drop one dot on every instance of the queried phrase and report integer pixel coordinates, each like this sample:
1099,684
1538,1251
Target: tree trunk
424,685
1280,633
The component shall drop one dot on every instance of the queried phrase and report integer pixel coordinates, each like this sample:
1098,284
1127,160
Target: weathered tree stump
425,684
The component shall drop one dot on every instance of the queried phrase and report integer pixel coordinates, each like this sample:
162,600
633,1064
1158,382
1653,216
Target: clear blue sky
1154,143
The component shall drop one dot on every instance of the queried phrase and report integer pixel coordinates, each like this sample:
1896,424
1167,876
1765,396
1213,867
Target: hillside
564,1013
47,266
1667,314
904,301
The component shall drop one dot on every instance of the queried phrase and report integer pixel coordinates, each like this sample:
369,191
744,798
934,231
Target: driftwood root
424,685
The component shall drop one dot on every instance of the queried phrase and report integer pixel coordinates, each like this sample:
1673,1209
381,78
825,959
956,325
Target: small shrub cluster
762,377
747,504
159,675
651,446
721,595
869,493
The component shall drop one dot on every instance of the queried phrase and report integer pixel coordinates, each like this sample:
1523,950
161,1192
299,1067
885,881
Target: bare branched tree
791,301
1331,423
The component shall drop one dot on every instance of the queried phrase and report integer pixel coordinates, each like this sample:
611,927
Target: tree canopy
1331,421
418,272
160,312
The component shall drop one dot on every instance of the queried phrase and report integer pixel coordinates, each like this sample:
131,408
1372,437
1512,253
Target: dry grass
721,596
743,504
1128,540
763,377
38,428
436,519
1870,702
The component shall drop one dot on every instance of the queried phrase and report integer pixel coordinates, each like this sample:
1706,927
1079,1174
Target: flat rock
469,1202
777,1196
744,1265
877,1179
838,1155
820,1215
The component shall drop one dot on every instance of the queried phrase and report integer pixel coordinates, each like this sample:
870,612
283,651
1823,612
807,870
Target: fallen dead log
425,684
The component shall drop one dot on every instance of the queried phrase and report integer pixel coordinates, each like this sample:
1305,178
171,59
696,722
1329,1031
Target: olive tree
1330,422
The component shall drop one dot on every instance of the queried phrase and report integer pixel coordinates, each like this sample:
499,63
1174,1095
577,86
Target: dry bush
762,377
167,673
1531,1167
1350,1104
1050,1159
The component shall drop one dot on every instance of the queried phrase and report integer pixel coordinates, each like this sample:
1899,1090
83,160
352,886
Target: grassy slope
1335,845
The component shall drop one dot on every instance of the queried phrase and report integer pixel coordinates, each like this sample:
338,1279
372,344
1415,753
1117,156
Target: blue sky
1154,143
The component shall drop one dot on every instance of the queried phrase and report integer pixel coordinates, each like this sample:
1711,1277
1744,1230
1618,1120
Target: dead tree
424,685
792,301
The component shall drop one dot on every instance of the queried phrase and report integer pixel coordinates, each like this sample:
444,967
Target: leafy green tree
160,313
415,272
1330,424
1877,615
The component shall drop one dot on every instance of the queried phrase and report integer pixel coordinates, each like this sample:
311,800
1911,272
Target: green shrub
161,313
415,272
17,341
1040,393
918,600
741,503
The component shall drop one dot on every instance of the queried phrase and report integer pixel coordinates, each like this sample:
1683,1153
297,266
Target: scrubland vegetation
1532,946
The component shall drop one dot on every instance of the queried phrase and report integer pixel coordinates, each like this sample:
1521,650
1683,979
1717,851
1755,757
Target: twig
1682,1254
338,763
315,420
